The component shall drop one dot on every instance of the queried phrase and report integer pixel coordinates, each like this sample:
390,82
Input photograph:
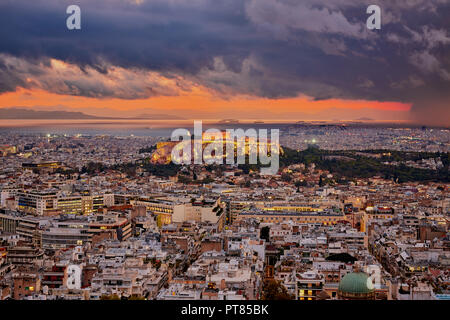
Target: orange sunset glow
199,99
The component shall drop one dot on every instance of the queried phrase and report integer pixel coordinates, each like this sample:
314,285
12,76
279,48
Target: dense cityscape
92,217
208,159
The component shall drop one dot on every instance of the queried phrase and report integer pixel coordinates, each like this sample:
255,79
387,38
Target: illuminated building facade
50,203
42,166
162,209
36,203
309,284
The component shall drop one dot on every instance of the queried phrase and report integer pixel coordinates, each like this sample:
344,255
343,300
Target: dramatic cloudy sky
290,59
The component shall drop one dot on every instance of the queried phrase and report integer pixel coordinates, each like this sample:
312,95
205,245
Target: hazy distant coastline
28,114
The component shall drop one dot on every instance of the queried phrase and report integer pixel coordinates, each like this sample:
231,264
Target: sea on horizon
160,128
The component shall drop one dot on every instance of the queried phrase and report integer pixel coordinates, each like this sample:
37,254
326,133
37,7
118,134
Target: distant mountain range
28,114
159,117
17,113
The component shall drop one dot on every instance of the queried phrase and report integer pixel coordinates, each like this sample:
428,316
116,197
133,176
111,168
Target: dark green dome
356,283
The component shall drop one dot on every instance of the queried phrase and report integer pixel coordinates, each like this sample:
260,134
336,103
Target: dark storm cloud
264,48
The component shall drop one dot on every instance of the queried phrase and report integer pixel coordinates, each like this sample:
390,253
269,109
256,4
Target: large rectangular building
168,211
51,203
35,202
326,217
